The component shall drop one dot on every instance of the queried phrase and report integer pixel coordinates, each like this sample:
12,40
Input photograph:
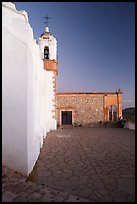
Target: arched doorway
110,113
114,113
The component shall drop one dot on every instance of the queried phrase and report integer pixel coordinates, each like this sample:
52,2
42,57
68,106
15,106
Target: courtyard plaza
78,164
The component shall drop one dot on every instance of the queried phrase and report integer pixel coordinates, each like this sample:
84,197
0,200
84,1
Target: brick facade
51,65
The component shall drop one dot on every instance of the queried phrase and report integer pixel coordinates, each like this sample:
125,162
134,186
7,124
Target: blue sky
96,44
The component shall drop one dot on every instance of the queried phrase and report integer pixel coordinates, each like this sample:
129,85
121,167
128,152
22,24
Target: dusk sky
96,44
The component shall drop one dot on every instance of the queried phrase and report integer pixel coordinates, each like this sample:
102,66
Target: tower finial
47,18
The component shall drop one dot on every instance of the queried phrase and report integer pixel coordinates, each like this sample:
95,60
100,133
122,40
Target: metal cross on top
47,18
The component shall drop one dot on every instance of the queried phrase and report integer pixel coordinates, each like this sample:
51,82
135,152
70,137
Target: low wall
130,125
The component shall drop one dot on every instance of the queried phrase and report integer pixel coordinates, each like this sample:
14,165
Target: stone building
88,108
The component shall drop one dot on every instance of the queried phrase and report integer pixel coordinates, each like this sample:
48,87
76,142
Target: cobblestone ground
80,165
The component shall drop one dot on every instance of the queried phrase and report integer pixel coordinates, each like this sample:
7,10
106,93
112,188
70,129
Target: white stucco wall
51,42
48,88
26,102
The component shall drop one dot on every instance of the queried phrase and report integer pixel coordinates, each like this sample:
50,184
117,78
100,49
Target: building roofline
85,93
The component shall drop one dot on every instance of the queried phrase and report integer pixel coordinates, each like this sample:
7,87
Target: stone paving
81,165
16,188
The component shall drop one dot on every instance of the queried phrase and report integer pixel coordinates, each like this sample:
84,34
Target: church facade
84,109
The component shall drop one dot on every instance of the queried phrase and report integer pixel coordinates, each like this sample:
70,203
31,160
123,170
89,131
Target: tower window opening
46,52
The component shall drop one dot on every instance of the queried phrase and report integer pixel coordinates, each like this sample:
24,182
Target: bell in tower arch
46,52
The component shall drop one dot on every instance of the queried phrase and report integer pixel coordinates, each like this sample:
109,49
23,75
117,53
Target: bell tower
48,53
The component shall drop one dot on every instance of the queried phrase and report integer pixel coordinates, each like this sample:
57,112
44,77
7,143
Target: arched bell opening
46,52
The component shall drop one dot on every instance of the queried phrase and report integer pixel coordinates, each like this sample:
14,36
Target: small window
46,52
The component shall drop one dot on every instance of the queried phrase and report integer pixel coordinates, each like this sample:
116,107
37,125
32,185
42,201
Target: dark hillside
129,114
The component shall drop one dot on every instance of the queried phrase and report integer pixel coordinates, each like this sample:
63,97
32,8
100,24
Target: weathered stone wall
86,109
